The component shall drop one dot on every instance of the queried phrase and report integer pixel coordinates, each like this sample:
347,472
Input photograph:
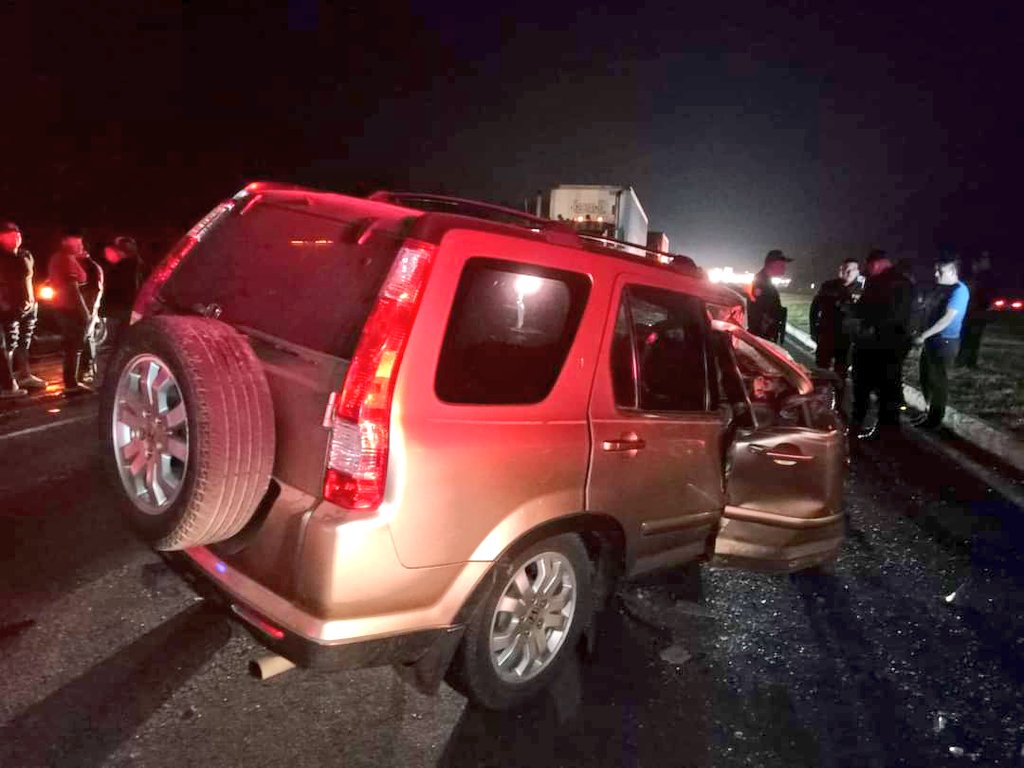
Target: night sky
742,128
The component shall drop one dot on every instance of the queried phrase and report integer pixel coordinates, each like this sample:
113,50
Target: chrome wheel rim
150,425
533,617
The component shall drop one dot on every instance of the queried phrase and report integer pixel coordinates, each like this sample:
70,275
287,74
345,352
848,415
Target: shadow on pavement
55,530
864,712
90,717
623,707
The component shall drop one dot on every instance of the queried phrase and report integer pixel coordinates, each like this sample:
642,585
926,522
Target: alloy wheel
533,617
150,425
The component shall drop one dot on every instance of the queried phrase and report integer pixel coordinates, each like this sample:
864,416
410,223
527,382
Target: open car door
785,459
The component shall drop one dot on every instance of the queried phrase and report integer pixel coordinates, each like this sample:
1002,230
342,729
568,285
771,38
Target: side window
670,336
752,361
623,359
510,330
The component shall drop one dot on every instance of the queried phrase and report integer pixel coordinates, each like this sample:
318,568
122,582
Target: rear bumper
403,648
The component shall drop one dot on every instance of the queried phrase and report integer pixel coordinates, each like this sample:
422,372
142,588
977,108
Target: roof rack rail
665,258
464,206
550,227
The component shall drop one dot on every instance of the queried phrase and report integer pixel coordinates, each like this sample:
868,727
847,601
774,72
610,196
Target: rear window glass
292,274
509,332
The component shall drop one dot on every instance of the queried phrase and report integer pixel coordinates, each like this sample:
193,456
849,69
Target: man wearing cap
18,313
765,314
880,346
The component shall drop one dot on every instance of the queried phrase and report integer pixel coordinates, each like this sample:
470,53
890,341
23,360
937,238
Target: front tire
527,625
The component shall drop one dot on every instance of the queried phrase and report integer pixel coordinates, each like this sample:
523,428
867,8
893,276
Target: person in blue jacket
941,339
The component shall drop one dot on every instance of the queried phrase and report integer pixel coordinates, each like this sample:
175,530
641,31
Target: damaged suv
388,435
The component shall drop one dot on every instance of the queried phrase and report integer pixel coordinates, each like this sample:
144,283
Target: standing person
831,320
93,292
766,315
941,340
16,300
19,328
69,275
974,322
121,280
879,347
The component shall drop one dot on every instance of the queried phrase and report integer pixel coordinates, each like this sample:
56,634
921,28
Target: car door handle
778,456
630,442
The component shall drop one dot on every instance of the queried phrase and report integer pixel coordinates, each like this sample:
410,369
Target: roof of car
473,214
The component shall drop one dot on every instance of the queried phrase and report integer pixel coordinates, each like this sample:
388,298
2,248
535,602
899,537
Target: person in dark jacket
831,318
17,304
978,312
883,336
122,276
766,316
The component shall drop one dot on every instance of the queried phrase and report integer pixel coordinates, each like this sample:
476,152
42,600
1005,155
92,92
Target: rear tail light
1017,305
999,303
147,296
357,467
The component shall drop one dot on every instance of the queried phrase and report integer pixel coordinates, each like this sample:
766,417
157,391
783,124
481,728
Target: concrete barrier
1000,444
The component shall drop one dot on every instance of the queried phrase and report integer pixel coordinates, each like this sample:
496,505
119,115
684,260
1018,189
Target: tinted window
509,332
623,360
669,338
289,273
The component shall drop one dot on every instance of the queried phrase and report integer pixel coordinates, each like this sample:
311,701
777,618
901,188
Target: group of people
872,324
81,288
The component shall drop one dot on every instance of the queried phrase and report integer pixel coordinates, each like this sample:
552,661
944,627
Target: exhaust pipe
267,667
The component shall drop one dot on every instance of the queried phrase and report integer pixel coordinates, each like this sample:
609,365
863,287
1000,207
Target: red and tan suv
424,438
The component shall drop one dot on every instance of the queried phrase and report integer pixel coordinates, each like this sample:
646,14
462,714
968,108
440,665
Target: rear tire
191,387
526,636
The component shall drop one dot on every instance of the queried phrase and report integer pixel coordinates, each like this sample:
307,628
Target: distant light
729,276
812,286
46,293
1017,304
600,218
53,410
999,303
579,218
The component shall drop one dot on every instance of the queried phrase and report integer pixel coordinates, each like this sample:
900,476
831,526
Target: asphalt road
107,660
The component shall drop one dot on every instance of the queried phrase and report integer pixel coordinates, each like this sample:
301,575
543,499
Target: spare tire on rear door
187,425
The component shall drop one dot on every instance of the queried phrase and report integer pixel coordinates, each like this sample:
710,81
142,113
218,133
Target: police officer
883,313
831,321
941,340
766,316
